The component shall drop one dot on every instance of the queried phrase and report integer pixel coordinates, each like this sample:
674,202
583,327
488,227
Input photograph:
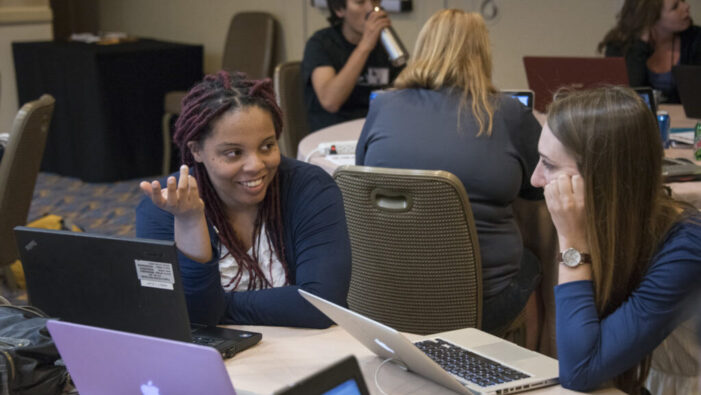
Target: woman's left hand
564,197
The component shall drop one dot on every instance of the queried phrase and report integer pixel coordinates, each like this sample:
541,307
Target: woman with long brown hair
653,36
251,226
444,113
631,256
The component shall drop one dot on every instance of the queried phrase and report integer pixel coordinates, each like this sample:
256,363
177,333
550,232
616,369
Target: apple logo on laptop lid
149,389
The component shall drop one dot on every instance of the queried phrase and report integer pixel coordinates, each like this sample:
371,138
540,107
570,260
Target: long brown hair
204,104
452,51
614,139
635,17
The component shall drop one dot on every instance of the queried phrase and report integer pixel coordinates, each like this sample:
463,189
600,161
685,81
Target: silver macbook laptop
105,362
510,368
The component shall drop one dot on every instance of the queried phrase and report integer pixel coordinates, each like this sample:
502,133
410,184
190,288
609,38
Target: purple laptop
103,361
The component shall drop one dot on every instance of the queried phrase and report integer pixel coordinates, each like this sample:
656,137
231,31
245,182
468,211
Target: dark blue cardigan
317,250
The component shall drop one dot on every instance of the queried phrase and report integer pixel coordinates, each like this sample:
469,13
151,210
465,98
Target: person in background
654,36
343,63
631,256
445,114
251,226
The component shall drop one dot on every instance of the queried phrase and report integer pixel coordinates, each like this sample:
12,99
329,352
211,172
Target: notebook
341,378
105,362
688,79
548,74
526,97
517,369
130,285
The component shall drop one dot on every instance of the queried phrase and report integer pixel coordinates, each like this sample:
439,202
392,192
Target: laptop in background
105,362
526,97
130,285
688,79
341,378
648,97
548,74
509,368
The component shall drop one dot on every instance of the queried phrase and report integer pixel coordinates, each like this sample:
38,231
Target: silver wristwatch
571,257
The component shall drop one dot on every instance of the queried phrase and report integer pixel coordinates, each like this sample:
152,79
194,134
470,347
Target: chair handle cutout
389,200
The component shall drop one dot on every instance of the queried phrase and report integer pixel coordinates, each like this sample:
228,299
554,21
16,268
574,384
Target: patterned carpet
105,208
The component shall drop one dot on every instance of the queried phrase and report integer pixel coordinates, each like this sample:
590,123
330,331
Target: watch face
571,257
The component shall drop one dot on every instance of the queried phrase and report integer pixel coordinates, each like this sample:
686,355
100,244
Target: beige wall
20,20
523,27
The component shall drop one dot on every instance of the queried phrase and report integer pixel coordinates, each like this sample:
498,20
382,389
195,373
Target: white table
286,355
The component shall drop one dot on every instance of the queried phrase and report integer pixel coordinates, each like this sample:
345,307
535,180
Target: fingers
578,189
153,190
172,193
178,196
376,15
192,183
564,185
145,187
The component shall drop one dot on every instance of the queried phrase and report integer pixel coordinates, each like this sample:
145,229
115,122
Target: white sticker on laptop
155,274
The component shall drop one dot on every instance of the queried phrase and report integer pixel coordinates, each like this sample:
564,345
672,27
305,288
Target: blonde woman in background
445,114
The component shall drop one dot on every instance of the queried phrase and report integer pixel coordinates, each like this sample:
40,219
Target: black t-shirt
328,47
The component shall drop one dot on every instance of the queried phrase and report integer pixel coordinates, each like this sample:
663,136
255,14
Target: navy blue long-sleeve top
317,251
592,351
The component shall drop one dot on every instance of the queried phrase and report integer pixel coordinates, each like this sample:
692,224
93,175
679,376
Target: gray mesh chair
290,97
416,259
249,47
19,169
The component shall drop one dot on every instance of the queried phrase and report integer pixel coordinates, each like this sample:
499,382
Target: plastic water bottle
663,121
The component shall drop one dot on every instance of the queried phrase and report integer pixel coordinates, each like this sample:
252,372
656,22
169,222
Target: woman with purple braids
251,226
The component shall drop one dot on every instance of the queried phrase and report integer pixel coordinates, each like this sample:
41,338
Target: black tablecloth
109,102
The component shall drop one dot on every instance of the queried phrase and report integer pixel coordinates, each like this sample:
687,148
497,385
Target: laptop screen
524,96
349,387
648,97
342,378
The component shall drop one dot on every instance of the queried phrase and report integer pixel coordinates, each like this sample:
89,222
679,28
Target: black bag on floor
27,354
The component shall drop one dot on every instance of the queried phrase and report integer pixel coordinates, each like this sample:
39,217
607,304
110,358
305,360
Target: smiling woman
251,226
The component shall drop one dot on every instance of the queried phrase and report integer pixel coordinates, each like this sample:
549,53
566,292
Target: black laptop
688,79
341,378
525,96
130,285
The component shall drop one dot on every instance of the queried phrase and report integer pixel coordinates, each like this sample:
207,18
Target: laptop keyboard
468,365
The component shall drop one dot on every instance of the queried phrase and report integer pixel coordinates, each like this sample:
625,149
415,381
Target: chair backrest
250,44
19,169
416,259
290,97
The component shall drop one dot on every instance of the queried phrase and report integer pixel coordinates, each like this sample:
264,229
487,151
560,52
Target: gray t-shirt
417,129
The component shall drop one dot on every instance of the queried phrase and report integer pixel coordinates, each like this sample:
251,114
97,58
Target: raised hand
180,198
377,20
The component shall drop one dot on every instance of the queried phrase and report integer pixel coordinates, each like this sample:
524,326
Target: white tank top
268,262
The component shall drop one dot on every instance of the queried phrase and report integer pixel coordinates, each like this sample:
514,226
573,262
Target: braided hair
203,105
